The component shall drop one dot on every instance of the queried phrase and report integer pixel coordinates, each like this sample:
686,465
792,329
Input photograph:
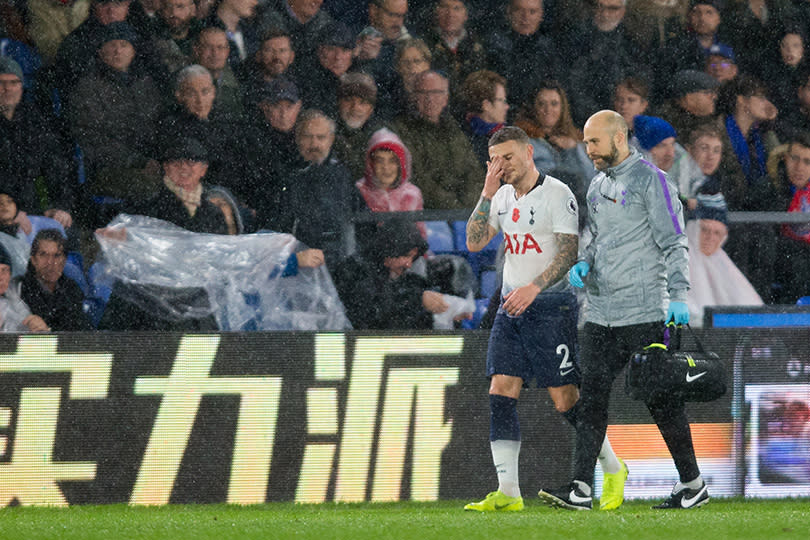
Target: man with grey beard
357,98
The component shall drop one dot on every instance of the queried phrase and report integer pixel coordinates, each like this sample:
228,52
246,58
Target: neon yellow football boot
497,502
613,489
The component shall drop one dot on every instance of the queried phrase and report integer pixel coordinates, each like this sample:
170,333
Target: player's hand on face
518,300
492,182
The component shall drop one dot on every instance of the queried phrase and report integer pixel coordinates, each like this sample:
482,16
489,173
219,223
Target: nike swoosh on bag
690,377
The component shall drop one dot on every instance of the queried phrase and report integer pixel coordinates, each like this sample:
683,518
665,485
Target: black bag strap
674,342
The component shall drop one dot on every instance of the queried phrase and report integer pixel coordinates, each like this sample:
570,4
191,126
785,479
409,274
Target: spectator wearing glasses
445,167
484,95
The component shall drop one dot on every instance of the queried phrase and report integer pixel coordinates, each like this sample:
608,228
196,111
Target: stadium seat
439,236
100,290
488,280
480,309
76,273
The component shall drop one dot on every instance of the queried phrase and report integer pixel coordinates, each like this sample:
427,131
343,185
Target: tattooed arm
479,231
567,250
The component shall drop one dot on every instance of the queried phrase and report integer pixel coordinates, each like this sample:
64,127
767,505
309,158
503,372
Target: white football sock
608,459
505,455
697,483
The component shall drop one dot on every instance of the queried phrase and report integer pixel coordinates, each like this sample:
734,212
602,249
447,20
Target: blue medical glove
577,272
679,312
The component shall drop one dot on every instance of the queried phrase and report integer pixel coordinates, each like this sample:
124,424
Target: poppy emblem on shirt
515,215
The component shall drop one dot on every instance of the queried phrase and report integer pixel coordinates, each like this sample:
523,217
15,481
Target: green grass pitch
720,519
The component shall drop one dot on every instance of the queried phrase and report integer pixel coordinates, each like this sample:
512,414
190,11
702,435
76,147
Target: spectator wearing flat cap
692,102
77,52
319,82
31,148
270,154
112,114
179,198
180,201
357,120
657,140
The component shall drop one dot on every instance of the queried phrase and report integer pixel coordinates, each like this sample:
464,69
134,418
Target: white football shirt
528,224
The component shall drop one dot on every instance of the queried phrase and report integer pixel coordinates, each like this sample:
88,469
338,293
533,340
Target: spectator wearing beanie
657,141
692,102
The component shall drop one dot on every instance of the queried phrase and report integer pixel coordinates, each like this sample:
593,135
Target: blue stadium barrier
439,237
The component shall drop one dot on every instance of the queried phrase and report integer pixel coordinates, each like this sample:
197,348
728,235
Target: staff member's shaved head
605,135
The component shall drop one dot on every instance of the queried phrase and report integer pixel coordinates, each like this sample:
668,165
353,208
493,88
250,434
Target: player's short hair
509,133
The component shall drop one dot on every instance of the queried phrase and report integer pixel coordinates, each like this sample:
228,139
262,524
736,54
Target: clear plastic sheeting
177,274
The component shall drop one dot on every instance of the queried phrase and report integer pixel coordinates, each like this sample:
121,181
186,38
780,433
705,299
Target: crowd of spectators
237,116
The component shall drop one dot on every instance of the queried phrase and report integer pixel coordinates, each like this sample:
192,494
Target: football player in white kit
535,331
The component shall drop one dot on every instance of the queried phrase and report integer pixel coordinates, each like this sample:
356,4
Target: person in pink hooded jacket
385,186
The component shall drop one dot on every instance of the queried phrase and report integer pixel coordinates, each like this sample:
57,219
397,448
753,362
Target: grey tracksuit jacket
638,250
